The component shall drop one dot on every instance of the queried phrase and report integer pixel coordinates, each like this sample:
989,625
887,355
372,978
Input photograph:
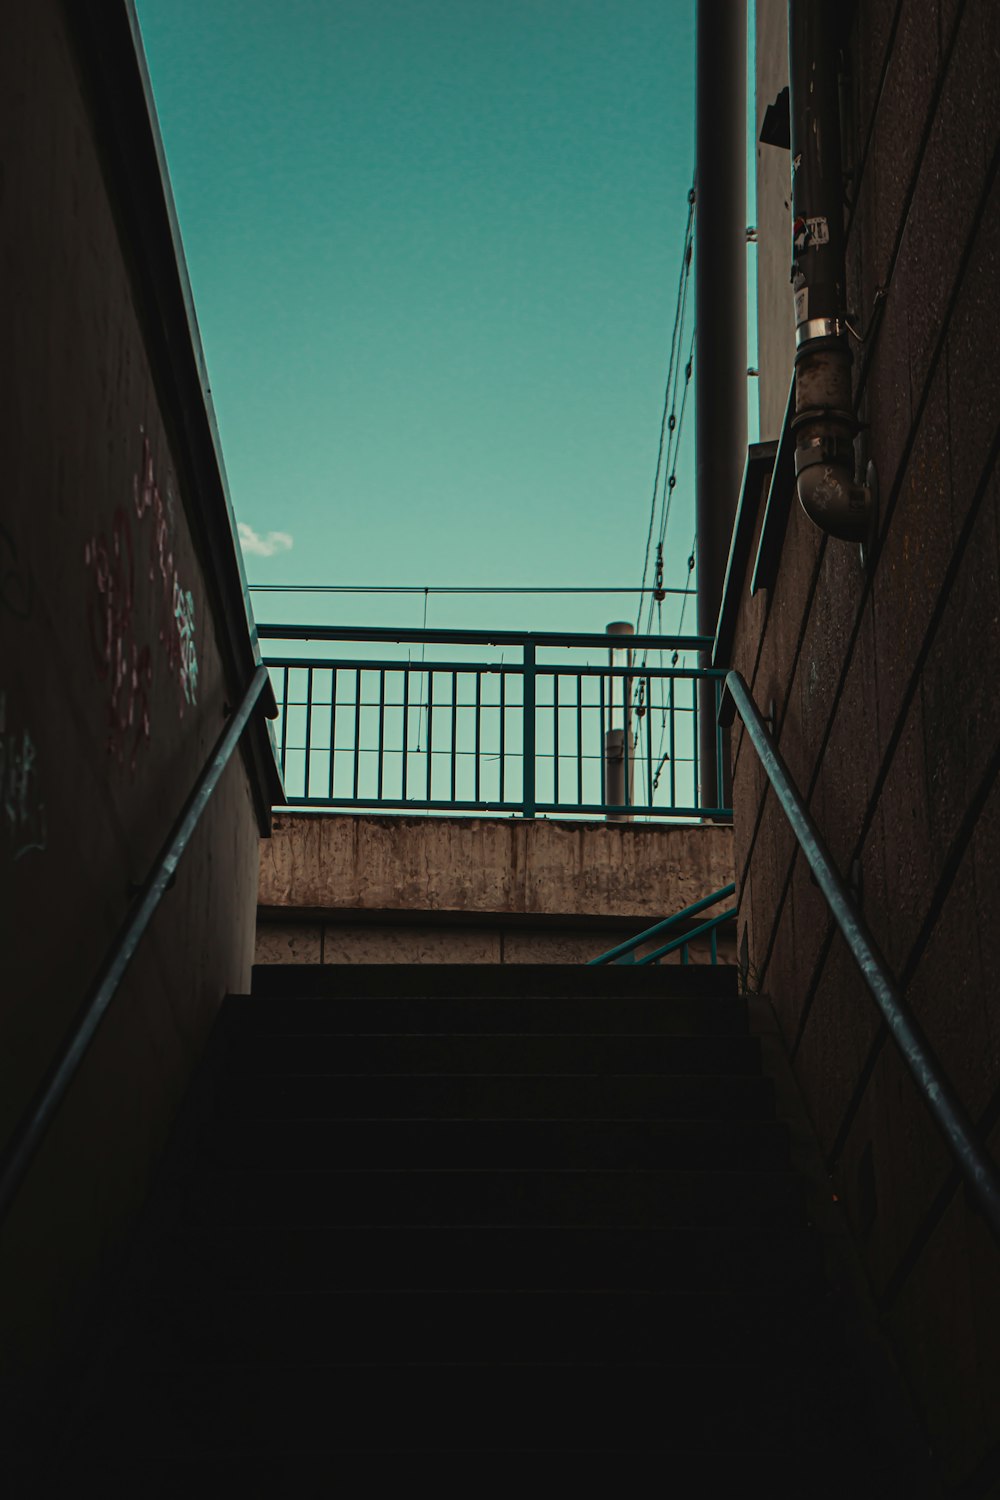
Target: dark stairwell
536,1222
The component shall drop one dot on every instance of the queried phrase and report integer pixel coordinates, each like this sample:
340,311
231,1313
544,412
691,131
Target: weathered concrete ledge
341,887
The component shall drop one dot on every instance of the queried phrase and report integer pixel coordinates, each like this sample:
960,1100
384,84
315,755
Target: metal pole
618,757
721,315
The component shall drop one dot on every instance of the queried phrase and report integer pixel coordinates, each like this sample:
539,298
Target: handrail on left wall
37,1117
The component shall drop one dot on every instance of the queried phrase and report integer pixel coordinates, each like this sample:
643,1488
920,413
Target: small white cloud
263,546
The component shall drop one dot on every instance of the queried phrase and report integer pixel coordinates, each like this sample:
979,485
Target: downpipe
824,423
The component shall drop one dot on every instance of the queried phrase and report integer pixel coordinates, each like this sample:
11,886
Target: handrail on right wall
970,1154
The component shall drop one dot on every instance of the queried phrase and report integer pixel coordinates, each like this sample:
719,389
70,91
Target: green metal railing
624,953
969,1150
525,725
34,1123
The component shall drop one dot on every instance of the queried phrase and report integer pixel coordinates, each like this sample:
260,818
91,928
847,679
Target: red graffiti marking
122,661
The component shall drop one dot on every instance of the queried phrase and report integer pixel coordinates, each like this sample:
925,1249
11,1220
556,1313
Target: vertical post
528,743
721,318
333,730
309,715
618,739
406,730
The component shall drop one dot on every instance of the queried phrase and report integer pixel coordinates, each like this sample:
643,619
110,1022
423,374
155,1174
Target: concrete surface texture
507,865
343,888
111,697
883,681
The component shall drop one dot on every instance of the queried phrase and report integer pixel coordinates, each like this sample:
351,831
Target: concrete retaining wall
343,888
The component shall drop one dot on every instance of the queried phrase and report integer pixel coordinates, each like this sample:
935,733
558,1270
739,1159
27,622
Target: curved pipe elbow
834,501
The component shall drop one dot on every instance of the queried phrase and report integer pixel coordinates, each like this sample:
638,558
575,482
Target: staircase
473,1224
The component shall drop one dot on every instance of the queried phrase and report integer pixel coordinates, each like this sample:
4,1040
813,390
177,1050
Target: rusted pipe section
824,422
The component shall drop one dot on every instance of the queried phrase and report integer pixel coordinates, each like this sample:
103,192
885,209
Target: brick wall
885,684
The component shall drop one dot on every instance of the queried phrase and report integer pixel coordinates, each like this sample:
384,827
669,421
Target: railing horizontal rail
541,639
442,804
946,1108
494,669
617,738
38,1116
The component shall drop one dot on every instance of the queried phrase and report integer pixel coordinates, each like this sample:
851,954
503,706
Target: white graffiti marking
21,805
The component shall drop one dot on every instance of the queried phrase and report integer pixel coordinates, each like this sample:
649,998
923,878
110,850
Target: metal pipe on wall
824,421
721,318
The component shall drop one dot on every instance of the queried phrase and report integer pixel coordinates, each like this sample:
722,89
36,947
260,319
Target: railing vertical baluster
555,731
628,768
406,729
333,726
696,801
715,939
720,762
286,671
479,709
309,716
528,732
430,734
673,745
600,747
648,717
357,731
579,740
454,728
503,728
381,729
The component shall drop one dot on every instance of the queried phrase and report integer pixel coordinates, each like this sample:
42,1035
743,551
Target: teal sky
434,248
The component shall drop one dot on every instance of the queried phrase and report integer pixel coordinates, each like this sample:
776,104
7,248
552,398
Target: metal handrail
706,929
630,945
973,1162
38,1116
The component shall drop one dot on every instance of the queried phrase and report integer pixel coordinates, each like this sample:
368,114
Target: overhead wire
665,479
668,420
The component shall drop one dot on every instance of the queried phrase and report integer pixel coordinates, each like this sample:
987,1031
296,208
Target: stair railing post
528,740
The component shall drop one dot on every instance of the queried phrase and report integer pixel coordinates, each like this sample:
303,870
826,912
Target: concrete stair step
513,1096
481,1053
396,1327
429,1406
733,1261
517,1013
513,981
312,1469
321,1145
483,1197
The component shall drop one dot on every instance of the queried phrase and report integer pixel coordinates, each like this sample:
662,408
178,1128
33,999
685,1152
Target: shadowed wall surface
883,682
118,666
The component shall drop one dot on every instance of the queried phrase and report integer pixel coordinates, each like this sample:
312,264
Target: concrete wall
112,692
385,889
884,683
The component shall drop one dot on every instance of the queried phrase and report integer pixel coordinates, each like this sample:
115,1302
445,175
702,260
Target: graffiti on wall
124,662
134,544
22,810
